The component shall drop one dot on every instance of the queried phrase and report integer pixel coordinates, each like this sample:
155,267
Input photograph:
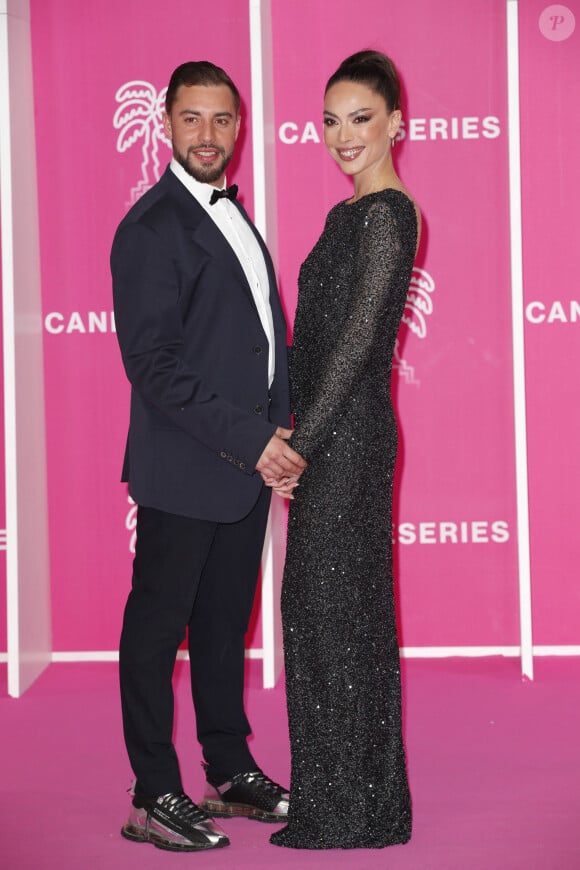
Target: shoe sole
245,811
137,836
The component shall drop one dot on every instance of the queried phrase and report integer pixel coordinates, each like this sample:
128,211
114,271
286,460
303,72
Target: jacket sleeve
381,259
150,333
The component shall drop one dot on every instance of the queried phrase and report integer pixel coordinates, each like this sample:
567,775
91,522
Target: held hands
280,465
285,488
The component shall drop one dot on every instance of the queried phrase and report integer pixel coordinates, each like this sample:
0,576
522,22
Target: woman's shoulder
394,203
386,206
388,199
391,198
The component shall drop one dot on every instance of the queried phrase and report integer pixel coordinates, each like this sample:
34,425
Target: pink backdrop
455,531
85,55
550,89
455,508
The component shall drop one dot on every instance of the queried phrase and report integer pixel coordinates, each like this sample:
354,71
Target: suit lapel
205,232
207,235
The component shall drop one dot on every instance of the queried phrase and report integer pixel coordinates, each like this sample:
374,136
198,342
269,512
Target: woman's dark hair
198,72
374,69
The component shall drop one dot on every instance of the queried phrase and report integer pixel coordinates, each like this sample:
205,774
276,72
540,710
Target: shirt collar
201,191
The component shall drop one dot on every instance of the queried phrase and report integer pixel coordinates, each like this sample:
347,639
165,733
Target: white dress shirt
245,246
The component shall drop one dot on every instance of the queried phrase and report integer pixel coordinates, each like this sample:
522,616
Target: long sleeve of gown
381,267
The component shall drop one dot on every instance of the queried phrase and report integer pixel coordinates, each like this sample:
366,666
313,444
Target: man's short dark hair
199,72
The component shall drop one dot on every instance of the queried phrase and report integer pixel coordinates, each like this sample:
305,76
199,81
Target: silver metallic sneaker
251,795
172,822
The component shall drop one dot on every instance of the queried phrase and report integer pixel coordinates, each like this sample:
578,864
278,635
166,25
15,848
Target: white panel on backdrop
519,363
28,591
264,156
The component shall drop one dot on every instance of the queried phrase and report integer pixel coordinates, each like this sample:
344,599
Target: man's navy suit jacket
196,355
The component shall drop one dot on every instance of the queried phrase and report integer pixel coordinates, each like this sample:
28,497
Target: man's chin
204,174
207,175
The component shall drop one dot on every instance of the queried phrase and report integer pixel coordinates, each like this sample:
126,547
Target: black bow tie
231,193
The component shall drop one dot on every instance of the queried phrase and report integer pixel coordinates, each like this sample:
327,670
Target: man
202,336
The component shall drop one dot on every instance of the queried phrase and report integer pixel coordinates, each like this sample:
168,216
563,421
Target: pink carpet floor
494,765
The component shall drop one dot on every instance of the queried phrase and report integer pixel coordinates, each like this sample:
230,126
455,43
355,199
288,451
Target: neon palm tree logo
139,116
131,524
418,307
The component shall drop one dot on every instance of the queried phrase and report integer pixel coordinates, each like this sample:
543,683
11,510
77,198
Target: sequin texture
348,782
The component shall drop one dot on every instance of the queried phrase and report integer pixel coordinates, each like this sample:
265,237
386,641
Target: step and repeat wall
100,70
100,73
454,511
550,83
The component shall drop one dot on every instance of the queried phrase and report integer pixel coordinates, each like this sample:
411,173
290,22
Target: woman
348,783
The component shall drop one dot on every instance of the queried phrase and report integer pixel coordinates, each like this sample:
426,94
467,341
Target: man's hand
279,462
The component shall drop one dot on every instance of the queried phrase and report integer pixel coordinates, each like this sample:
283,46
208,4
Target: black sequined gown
349,783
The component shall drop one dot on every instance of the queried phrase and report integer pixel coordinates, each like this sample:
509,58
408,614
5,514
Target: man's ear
167,126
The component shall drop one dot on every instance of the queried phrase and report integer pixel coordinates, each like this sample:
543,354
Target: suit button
223,454
242,465
230,458
257,348
258,409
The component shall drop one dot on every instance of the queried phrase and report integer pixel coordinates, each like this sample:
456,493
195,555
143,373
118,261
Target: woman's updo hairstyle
374,69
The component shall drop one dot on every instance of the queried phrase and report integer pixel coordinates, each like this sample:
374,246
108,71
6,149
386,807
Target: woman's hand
285,488
278,461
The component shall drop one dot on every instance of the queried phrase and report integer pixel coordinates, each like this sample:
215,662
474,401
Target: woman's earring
393,142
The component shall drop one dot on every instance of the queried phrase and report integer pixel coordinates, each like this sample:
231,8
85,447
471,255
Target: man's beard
205,174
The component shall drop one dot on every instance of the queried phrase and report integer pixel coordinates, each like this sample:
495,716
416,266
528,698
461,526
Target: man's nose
204,130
